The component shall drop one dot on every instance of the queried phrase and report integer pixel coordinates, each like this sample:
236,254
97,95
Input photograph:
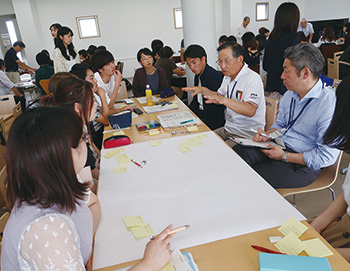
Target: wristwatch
284,157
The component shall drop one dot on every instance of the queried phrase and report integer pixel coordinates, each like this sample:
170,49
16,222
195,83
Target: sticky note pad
133,221
122,169
122,159
185,149
192,128
155,143
142,231
168,267
153,132
119,133
293,225
115,151
202,136
290,244
316,248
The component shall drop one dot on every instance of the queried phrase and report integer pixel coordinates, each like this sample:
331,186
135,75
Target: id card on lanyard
200,96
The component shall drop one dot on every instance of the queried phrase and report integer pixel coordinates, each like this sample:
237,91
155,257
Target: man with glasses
212,115
305,113
241,92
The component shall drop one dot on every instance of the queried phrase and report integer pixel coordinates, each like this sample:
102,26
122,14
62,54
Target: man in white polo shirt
241,92
306,28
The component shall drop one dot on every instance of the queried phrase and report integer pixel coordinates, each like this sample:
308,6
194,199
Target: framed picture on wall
88,27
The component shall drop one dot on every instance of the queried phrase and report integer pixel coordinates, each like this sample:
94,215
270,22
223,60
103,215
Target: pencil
184,227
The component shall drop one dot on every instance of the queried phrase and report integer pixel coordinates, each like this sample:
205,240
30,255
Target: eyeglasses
226,62
146,58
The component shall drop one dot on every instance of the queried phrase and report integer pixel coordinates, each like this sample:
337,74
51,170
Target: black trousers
22,100
277,173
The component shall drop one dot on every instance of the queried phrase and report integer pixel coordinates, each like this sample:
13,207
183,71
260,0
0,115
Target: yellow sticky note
153,132
202,136
122,159
133,221
316,248
192,142
290,244
108,155
142,231
122,169
119,133
293,225
192,128
168,267
115,151
185,149
155,143
173,105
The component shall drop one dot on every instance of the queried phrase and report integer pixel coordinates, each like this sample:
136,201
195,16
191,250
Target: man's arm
24,66
15,90
311,35
118,78
196,90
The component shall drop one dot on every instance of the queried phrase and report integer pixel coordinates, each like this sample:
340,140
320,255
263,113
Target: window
178,18
262,11
88,27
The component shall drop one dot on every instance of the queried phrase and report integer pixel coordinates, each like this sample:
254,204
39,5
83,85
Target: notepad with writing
274,262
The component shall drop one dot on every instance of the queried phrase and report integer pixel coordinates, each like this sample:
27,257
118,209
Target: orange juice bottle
149,95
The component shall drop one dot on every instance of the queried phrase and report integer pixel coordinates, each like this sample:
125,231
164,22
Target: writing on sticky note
119,133
118,170
155,143
168,267
142,231
316,248
293,225
185,149
153,132
133,221
192,128
290,244
122,159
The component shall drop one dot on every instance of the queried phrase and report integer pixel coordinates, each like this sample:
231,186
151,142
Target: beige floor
313,203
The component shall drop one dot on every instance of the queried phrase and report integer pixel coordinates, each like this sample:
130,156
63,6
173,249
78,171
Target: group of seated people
51,186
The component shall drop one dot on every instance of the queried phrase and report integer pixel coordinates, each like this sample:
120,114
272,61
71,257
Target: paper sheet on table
159,108
118,170
133,221
316,248
168,267
293,225
143,100
180,261
290,244
119,133
177,120
155,143
142,231
122,159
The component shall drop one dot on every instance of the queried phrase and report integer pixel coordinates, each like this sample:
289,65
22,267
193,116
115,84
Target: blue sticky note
274,262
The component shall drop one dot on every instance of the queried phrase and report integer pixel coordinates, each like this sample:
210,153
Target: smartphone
138,111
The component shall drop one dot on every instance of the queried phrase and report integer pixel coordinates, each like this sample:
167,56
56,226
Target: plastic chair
3,187
333,65
45,85
271,110
327,177
122,92
7,102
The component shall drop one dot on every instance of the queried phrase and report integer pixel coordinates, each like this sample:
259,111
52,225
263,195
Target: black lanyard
228,89
291,113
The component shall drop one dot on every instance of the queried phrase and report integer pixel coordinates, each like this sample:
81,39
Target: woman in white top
327,37
50,227
64,56
334,222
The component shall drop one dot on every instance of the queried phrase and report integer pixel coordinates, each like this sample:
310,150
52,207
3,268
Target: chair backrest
338,54
327,177
122,92
271,110
7,102
17,110
44,83
120,67
3,186
3,220
328,50
333,68
2,144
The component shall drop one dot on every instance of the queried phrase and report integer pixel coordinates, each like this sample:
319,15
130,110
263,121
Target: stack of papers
179,119
138,227
159,108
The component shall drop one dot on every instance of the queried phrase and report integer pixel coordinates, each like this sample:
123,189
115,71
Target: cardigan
140,81
60,63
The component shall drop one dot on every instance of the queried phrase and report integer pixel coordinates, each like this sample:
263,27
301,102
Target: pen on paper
184,227
137,164
263,134
186,121
263,249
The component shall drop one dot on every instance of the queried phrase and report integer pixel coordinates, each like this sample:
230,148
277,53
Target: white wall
6,7
126,26
322,10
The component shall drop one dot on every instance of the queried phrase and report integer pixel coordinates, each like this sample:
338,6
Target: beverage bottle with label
149,95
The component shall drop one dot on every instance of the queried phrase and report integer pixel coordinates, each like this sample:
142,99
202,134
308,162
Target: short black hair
42,59
80,70
2,63
237,50
194,51
83,52
101,47
55,25
232,39
20,44
166,52
156,44
101,58
223,39
144,51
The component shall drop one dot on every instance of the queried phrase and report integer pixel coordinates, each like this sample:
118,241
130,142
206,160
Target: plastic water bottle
149,95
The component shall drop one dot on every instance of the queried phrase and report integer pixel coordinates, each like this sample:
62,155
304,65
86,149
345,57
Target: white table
210,188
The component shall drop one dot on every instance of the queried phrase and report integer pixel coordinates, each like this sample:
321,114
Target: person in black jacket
211,114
